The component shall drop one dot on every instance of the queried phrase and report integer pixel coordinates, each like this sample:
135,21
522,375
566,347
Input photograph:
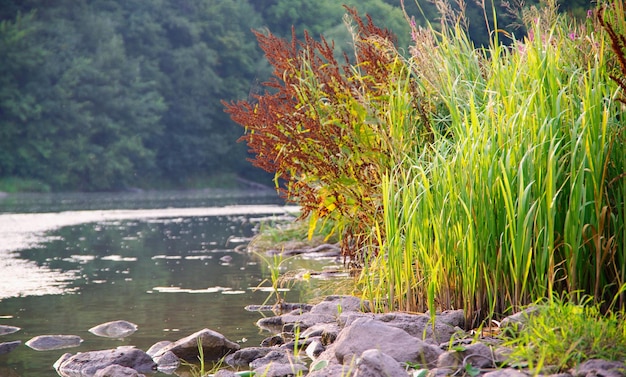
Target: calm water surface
165,273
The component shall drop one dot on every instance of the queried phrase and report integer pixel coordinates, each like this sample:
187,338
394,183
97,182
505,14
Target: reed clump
458,177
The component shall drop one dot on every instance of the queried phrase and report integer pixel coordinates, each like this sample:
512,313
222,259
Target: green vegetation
116,94
561,334
458,177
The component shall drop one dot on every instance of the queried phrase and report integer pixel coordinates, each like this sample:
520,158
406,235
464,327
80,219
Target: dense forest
117,94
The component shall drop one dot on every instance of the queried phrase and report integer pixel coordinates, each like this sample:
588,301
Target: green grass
520,194
562,334
458,177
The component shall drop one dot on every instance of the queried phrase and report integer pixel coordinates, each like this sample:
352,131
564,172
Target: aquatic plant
457,177
521,193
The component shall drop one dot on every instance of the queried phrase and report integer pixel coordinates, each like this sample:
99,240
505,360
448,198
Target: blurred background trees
116,94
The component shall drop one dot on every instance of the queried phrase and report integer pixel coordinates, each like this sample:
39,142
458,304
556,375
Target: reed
521,192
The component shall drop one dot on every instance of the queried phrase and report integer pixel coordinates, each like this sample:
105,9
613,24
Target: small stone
477,354
156,347
167,362
280,370
6,330
598,367
271,341
273,357
88,363
53,342
7,347
114,329
214,346
314,349
506,372
244,357
225,373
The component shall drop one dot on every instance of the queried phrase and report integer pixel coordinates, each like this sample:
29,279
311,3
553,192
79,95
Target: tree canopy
112,94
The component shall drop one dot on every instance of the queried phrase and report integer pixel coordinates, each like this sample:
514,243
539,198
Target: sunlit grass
521,192
561,334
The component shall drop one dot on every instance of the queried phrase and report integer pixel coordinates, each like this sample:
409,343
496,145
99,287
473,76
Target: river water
166,261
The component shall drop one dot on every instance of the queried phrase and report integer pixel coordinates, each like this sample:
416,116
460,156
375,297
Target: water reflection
167,274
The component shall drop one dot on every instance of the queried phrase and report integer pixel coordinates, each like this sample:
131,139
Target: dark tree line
111,94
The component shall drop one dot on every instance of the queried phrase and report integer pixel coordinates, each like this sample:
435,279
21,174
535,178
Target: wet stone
7,347
114,329
6,330
53,342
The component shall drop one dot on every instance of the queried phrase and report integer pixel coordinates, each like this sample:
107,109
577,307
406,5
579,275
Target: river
166,261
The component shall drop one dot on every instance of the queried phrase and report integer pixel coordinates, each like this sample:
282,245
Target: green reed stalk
518,194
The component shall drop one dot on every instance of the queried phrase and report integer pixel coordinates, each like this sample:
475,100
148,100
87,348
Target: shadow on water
167,275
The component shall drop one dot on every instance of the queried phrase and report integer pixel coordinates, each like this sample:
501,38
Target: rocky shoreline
336,337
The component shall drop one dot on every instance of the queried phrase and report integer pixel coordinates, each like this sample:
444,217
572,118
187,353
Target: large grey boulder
374,363
364,334
54,342
86,364
214,346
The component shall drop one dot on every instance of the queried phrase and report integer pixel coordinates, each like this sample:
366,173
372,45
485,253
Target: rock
506,372
374,363
280,370
214,346
314,349
332,370
114,329
326,311
117,371
88,363
364,334
277,363
54,342
454,318
518,320
597,367
225,373
156,347
421,326
244,357
335,305
271,341
279,308
478,355
61,360
7,347
167,362
273,357
6,330
441,372
330,330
